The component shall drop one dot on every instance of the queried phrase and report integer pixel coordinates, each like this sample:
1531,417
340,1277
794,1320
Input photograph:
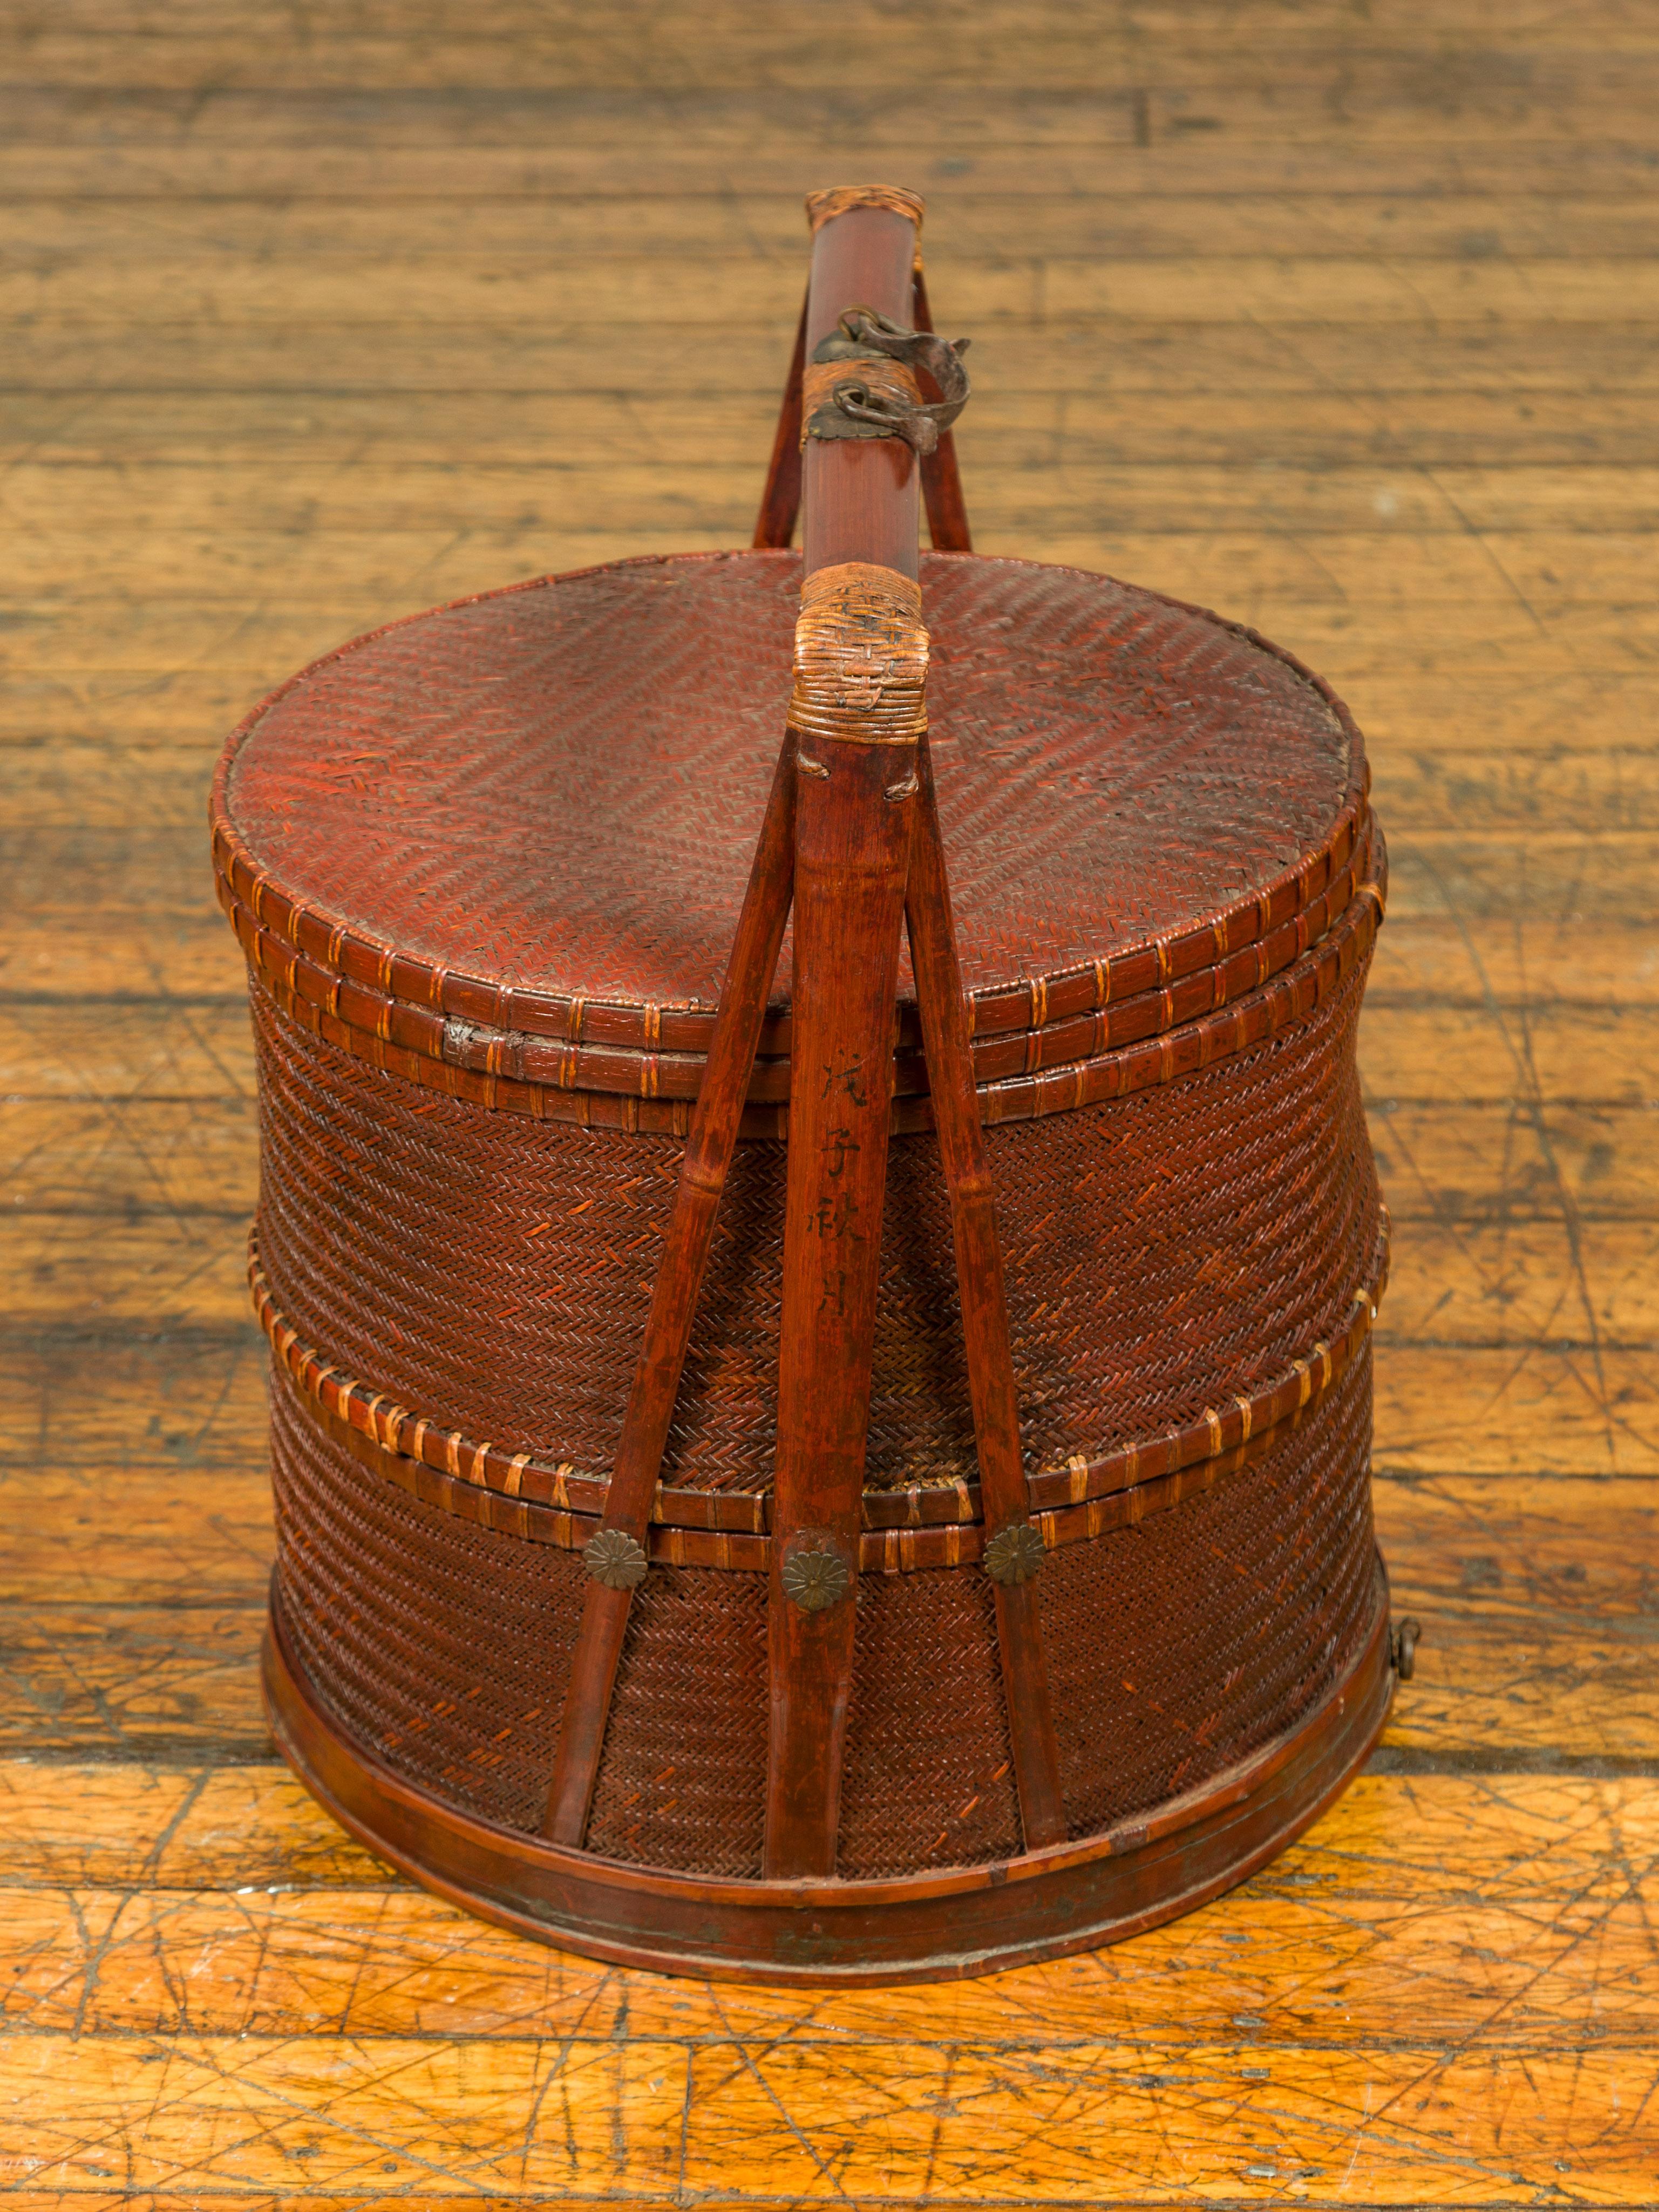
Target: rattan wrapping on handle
824,206
860,657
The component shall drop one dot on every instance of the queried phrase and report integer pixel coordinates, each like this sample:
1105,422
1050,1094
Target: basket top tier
554,792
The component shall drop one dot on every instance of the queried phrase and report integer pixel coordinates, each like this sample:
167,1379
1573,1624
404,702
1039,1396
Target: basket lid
546,798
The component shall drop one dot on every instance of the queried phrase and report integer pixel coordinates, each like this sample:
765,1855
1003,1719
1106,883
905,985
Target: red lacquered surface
559,787
1008,1606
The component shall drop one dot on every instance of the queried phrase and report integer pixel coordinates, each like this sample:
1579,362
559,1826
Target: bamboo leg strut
715,1120
941,479
984,1301
781,501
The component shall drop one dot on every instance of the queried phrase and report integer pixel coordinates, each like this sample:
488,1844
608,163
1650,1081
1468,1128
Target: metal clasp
855,410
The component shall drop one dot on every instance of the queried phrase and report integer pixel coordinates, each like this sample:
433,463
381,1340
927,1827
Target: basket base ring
937,1926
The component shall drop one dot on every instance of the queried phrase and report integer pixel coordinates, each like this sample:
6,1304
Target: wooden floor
1341,318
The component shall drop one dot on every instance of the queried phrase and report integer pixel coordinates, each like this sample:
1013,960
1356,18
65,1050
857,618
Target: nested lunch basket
819,1299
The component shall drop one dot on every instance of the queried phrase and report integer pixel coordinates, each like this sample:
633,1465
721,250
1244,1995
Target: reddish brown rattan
1178,1645
485,867
492,1273
531,814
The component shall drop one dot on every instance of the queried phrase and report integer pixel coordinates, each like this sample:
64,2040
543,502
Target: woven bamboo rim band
904,1530
824,206
567,1063
860,657
1288,998
357,960
354,960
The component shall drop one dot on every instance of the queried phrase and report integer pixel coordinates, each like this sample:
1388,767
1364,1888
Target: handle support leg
983,1295
852,852
703,1170
774,526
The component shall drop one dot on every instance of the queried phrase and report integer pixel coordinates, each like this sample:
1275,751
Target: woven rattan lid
536,810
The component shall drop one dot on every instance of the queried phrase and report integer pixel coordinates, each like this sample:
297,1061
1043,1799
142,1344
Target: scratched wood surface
1341,318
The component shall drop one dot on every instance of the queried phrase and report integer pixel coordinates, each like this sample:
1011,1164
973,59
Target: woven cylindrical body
486,866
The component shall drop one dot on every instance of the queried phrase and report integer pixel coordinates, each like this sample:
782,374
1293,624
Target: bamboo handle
862,496
860,663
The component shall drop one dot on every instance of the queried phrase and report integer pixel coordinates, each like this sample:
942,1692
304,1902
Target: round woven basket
486,865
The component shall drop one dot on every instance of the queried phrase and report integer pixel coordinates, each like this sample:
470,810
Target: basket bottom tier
921,1928
1219,1669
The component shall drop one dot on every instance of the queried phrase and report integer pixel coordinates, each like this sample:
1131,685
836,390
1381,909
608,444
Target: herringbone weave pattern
1164,1251
558,787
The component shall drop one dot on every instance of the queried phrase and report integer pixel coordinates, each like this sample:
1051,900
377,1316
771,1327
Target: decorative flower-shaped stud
1014,1553
814,1579
615,1559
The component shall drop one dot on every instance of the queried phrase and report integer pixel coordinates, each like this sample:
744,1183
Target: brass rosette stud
615,1559
816,1579
1014,1554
